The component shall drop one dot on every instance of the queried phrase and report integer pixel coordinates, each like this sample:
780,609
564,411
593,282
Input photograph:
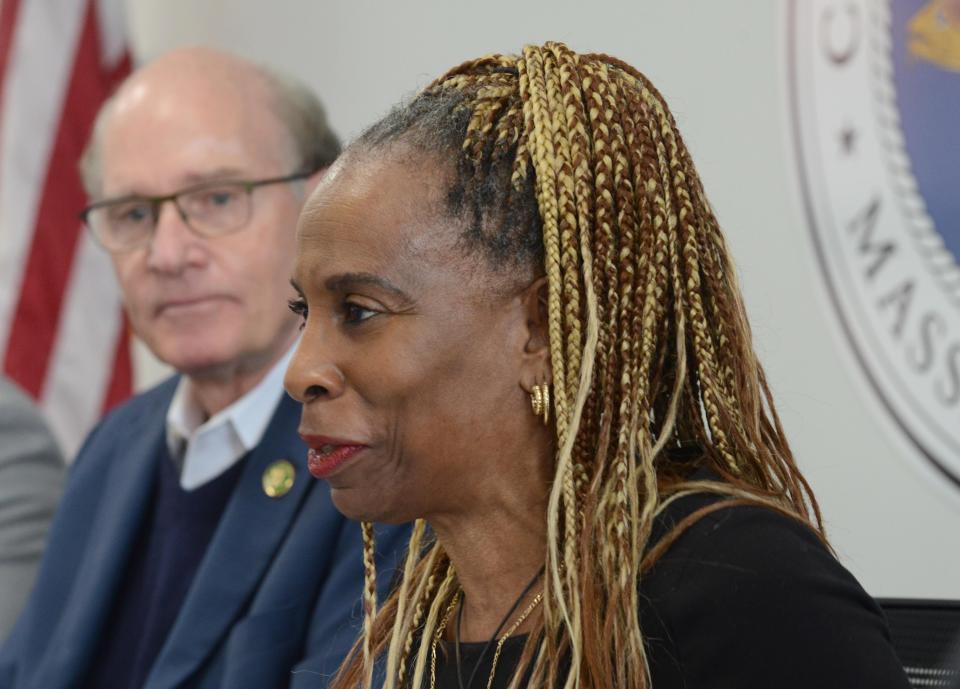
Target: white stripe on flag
112,20
41,62
82,360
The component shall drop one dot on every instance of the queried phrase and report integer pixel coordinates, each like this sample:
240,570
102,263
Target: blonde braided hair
573,163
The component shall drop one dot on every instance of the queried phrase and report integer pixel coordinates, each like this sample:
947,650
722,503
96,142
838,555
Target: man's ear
535,366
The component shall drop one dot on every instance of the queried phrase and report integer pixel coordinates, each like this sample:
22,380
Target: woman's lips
326,455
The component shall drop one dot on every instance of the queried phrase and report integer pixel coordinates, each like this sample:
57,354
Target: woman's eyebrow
345,282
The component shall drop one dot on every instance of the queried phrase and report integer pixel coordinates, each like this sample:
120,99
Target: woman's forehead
374,186
374,212
388,196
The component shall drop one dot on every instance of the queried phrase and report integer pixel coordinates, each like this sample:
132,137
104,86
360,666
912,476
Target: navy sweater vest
173,539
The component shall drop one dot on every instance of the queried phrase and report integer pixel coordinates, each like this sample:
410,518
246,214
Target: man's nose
173,244
312,374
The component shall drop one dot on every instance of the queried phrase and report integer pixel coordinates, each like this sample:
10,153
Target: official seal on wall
874,89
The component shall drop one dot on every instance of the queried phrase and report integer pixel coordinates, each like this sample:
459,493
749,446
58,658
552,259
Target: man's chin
197,361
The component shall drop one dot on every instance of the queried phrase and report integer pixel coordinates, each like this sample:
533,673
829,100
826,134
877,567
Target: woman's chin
363,507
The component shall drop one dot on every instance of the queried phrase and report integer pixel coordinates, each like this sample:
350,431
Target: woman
529,235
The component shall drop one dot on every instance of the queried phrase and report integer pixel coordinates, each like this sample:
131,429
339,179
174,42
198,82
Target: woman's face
416,357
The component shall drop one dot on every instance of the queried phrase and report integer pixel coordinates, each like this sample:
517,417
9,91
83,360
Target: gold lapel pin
278,478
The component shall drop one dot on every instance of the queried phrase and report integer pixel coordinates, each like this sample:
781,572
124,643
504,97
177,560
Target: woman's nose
312,374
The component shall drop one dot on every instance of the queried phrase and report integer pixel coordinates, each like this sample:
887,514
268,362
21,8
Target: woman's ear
536,351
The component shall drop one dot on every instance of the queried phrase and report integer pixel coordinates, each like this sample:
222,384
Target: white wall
720,65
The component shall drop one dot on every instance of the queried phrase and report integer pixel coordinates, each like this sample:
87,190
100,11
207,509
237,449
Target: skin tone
951,9
417,350
209,307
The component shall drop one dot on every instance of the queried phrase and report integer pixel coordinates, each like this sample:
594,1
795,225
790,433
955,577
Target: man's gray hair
296,106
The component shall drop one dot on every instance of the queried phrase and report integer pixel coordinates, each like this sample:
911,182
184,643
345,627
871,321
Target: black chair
926,636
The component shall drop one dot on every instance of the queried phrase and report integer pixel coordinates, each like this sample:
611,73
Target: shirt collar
245,421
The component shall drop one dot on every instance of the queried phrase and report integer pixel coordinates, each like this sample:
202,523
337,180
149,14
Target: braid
439,602
532,85
394,658
427,585
567,217
573,165
369,601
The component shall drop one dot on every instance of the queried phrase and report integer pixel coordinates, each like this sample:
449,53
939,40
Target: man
191,548
31,480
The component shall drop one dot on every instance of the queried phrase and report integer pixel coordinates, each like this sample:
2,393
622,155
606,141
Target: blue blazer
274,603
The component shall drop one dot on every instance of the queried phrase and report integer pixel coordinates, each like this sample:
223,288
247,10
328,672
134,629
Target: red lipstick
326,454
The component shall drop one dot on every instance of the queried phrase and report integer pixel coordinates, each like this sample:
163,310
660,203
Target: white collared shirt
211,447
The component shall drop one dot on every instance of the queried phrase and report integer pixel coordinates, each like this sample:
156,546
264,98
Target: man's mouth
187,306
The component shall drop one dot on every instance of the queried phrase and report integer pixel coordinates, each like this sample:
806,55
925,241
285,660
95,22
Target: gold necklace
496,654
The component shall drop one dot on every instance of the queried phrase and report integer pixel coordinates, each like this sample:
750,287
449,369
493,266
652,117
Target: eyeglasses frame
156,202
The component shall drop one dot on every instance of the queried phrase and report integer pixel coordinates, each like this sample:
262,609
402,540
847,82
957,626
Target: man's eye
207,201
354,313
137,214
130,214
218,197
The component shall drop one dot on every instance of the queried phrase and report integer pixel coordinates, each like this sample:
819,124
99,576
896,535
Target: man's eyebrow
186,182
215,175
345,281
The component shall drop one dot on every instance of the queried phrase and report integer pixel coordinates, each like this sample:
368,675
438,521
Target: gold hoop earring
540,401
546,403
536,400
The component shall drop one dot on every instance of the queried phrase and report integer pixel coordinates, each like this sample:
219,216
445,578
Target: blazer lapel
250,531
129,483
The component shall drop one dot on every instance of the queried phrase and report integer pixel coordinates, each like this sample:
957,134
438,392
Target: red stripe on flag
121,380
57,231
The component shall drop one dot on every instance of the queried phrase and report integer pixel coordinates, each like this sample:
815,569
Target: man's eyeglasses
210,209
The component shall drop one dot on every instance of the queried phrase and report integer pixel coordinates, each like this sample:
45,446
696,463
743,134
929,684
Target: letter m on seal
863,226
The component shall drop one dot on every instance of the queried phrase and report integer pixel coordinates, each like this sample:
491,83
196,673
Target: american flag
63,337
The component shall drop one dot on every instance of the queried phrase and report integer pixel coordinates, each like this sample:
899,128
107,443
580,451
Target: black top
170,547
470,653
745,598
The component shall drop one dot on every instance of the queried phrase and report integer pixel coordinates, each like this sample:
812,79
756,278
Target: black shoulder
748,597
745,543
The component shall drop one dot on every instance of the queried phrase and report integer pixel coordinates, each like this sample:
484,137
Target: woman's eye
299,307
354,313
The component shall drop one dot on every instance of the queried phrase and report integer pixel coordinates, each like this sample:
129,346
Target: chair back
926,636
